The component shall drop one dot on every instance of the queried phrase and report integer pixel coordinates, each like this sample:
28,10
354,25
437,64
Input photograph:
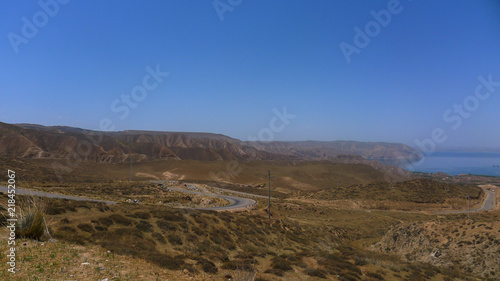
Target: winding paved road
488,204
237,203
20,191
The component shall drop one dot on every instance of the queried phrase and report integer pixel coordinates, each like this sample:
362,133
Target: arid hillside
469,245
36,141
328,150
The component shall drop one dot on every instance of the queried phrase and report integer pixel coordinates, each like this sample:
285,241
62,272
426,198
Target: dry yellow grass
59,260
306,237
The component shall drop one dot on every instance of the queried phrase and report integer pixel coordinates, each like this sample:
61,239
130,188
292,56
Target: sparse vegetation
307,238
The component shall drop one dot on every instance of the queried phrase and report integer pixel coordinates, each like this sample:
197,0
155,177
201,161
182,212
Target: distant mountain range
37,141
329,150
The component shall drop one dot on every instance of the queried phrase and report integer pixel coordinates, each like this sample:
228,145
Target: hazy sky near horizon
227,76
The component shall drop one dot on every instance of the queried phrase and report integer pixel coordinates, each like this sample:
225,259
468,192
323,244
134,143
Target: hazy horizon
440,149
426,66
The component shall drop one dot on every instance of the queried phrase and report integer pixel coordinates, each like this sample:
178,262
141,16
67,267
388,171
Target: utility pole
269,194
468,205
131,172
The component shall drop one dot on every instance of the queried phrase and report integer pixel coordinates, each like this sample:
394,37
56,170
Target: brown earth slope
469,245
327,150
36,141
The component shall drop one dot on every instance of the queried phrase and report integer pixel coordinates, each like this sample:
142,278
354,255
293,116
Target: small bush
174,239
359,261
100,228
128,231
198,231
67,229
119,219
276,272
87,227
375,275
55,210
31,219
165,261
141,215
282,264
166,225
103,208
106,221
159,237
208,266
144,226
315,272
146,245
169,216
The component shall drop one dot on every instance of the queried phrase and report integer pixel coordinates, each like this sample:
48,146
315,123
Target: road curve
237,203
488,204
20,191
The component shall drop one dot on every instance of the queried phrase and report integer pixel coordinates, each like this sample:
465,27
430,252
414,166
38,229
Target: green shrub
100,228
159,237
359,261
165,225
105,221
276,272
126,231
174,239
55,210
315,272
207,266
165,261
169,216
144,226
87,227
67,228
282,264
141,215
375,275
119,219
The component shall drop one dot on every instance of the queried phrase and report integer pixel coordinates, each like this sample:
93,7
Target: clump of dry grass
243,271
30,214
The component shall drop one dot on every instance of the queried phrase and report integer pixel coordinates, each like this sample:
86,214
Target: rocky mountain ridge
37,141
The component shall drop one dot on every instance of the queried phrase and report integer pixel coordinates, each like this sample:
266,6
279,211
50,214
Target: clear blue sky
227,76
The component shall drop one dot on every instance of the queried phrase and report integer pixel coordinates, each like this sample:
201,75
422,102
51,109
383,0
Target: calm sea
454,163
